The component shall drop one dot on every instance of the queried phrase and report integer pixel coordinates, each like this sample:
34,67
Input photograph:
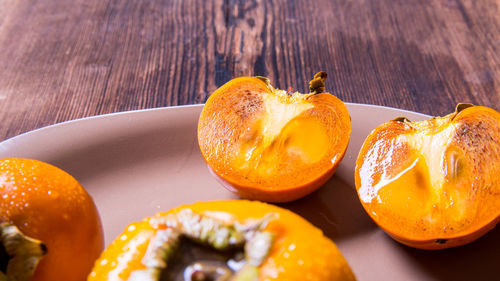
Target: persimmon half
49,225
433,184
234,240
269,144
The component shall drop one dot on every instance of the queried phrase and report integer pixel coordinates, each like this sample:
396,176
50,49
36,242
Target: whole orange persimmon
273,145
48,206
433,184
222,240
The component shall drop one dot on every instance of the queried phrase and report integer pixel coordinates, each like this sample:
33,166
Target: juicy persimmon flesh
433,184
269,144
296,251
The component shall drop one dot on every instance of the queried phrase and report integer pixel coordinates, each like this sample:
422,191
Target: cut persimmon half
270,144
433,184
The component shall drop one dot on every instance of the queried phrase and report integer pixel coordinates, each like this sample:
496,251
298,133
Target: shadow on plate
334,208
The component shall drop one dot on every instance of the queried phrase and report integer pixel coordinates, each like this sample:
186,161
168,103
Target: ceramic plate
137,163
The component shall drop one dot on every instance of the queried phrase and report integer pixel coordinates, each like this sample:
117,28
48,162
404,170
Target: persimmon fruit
269,144
433,184
252,241
55,215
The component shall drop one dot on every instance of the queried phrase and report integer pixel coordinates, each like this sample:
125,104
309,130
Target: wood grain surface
62,60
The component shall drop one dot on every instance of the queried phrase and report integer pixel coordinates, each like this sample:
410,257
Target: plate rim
168,108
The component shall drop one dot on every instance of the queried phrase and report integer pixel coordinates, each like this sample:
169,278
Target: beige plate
135,164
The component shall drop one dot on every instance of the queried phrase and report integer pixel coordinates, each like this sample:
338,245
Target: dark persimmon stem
4,258
317,85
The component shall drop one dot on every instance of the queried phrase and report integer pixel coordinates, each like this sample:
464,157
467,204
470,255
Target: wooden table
62,60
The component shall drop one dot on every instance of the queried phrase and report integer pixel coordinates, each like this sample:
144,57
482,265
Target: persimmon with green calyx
235,240
433,184
269,144
49,226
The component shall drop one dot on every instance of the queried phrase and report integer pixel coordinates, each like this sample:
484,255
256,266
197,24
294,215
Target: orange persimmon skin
300,251
48,204
433,184
232,127
275,195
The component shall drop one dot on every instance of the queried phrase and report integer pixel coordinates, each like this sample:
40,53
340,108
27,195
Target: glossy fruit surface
433,184
269,144
48,204
298,250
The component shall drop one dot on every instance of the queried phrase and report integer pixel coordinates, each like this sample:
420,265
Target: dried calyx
462,106
402,119
250,237
458,109
19,254
316,85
